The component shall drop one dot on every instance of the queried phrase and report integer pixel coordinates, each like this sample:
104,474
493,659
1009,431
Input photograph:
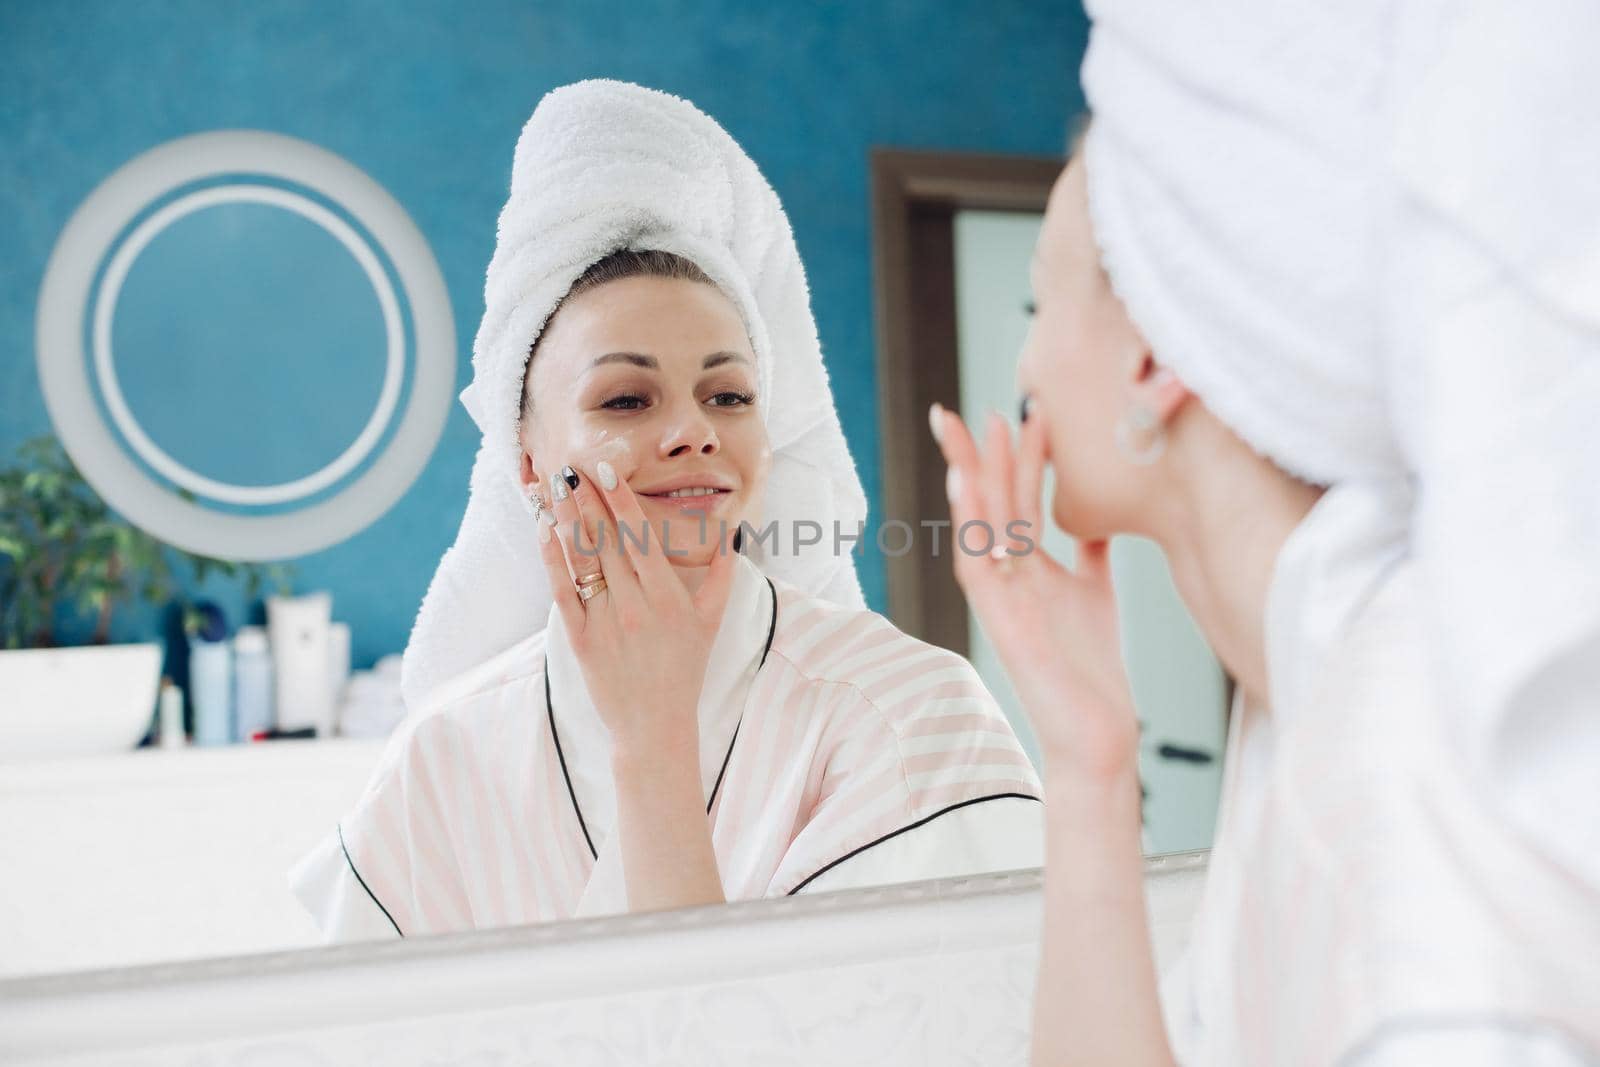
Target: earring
536,502
1140,436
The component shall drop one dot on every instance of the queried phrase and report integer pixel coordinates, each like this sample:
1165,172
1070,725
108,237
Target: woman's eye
626,402
731,399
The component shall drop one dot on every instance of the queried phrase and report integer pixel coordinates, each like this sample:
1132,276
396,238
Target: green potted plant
66,557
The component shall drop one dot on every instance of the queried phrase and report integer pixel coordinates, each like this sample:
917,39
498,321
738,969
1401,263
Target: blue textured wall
428,99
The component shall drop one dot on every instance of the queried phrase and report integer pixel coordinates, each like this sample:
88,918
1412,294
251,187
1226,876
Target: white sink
57,702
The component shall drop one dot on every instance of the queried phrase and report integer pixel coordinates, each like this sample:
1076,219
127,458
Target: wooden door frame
915,195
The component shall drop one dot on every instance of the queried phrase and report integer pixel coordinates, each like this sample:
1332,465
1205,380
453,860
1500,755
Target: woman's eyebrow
636,358
717,359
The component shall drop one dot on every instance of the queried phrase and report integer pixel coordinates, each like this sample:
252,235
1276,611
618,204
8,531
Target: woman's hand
644,642
1055,629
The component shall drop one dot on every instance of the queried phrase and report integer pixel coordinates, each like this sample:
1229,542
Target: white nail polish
952,483
544,529
548,517
608,477
934,413
558,488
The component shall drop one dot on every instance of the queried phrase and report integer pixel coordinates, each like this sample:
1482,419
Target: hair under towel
601,166
1368,237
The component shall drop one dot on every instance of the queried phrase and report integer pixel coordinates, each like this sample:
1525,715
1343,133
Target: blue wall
428,98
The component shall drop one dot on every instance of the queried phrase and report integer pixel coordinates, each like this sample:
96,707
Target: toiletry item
252,681
297,629
305,733
171,715
338,671
208,622
211,691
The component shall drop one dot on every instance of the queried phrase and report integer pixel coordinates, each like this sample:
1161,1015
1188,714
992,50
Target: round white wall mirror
246,345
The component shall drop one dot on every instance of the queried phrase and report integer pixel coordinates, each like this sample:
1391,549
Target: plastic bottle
338,673
171,715
252,677
211,691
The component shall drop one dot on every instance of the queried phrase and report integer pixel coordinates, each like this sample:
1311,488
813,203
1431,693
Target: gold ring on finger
590,579
593,589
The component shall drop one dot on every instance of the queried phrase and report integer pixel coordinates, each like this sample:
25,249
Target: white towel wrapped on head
601,166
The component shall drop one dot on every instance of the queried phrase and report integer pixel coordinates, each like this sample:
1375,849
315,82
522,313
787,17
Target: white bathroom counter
156,855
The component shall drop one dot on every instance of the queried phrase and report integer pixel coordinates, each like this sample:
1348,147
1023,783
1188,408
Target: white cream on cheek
568,441
616,450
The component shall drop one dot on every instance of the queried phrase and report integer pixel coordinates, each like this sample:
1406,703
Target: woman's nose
692,433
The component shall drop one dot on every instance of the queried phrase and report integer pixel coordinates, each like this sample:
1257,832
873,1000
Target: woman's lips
694,502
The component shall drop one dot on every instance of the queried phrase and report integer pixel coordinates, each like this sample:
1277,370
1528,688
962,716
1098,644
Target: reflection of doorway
952,239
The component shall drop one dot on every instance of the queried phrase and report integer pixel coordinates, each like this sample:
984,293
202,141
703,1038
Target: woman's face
1079,364
657,377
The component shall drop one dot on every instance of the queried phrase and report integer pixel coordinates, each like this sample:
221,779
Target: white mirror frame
927,973
64,299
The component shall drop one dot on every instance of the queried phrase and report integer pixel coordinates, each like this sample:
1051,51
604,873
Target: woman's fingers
598,491
635,541
559,577
963,485
961,453
573,526
1029,480
999,479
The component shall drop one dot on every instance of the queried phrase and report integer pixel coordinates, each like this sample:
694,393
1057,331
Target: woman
1298,328
675,724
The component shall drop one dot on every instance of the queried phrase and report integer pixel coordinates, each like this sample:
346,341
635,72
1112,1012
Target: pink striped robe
836,751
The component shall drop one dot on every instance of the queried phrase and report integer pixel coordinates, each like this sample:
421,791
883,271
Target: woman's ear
528,472
1156,388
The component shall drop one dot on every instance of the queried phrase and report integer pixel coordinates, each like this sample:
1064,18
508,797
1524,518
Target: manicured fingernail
544,529
952,483
548,518
571,476
559,490
935,417
608,477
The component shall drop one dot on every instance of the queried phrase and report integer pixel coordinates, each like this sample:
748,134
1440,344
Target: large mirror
239,457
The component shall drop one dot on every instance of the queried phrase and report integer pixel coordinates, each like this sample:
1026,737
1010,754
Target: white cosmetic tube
298,630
